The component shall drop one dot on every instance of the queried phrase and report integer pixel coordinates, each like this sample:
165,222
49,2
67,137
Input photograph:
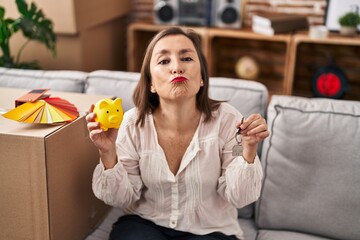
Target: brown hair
146,101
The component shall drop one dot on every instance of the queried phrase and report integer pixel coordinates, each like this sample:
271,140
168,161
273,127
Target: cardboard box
73,16
45,176
91,34
100,47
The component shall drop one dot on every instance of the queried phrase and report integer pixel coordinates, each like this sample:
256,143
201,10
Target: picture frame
335,9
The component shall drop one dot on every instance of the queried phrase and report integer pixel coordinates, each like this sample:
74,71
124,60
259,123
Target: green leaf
349,19
22,7
2,13
32,10
36,26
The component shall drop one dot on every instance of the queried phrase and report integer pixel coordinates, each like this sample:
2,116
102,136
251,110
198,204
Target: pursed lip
179,79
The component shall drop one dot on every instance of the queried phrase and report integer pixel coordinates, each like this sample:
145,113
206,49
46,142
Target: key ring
238,132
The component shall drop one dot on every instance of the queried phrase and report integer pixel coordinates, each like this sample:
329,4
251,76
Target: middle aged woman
171,166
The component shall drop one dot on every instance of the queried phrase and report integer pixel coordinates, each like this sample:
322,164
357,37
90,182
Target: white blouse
202,197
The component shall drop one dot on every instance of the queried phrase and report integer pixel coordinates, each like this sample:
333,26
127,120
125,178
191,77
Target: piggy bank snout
114,119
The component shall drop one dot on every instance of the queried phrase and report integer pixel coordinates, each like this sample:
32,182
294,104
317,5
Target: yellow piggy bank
109,113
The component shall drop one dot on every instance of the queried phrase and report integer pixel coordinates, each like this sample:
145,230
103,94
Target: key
237,149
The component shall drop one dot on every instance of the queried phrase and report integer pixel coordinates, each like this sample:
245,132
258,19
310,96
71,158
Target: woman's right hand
103,140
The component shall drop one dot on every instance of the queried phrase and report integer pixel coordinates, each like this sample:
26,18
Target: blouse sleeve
240,182
120,186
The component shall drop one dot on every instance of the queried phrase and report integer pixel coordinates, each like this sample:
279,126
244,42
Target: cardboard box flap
11,127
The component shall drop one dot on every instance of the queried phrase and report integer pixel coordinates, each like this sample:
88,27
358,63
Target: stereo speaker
166,12
227,13
195,12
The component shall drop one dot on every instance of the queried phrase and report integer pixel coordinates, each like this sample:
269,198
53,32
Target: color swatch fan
35,107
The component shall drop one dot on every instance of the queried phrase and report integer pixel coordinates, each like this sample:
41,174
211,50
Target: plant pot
348,31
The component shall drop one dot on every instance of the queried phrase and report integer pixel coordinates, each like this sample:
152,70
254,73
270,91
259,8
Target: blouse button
173,224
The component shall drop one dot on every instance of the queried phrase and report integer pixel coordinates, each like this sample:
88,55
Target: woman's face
175,68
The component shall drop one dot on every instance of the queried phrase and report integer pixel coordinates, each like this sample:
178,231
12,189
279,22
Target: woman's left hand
253,130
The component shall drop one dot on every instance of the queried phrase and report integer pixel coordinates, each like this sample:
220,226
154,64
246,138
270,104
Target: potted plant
34,26
349,22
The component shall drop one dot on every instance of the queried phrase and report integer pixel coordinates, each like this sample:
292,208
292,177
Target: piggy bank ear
118,102
103,104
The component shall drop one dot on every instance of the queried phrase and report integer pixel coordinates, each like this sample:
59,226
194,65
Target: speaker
166,12
227,13
195,12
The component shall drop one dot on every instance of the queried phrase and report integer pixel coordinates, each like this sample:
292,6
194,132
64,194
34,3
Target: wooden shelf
287,61
225,46
270,53
307,55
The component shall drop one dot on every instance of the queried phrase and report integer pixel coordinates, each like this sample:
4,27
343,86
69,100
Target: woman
170,166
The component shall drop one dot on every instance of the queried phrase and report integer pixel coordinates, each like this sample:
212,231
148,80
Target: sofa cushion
67,81
114,83
286,235
247,96
249,229
311,168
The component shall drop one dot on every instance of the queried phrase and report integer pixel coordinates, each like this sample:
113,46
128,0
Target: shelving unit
287,61
270,53
307,55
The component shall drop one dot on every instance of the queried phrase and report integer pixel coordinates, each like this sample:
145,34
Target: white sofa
311,160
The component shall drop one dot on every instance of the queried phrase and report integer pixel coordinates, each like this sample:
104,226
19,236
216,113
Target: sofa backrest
311,168
113,83
68,81
247,96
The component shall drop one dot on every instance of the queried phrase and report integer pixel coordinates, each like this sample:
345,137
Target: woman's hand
104,141
253,130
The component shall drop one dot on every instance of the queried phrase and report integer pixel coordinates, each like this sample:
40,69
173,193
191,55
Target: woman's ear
202,83
152,89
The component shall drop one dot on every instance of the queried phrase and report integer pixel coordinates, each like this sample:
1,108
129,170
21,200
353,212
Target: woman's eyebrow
186,50
162,52
166,51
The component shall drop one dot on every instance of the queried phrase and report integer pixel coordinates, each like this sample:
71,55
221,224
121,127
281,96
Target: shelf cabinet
308,55
287,62
270,54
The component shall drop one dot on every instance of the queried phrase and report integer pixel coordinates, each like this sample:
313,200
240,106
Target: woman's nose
177,67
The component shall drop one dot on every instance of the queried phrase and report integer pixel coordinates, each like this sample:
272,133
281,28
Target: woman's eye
162,62
187,59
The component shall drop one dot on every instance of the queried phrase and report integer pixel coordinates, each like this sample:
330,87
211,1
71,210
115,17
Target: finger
262,135
90,117
95,133
91,109
254,125
93,125
259,137
249,120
